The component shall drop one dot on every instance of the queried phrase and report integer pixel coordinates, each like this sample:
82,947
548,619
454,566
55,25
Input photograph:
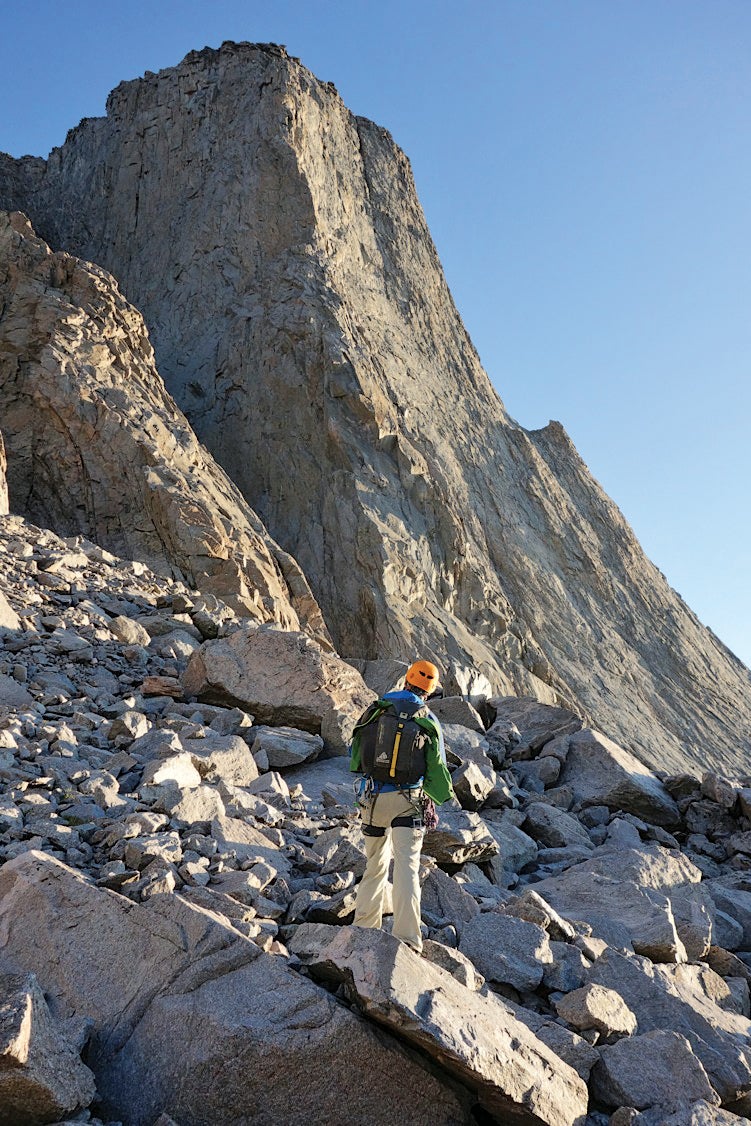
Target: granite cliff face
276,247
97,447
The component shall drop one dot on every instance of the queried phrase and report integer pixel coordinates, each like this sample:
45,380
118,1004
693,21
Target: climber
398,745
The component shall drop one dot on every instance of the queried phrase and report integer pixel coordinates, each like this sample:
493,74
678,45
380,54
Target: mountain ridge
300,317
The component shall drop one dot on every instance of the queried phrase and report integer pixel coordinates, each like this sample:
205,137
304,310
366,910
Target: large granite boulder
42,1077
554,828
625,913
534,724
191,1018
460,837
601,773
284,678
474,1037
656,1069
506,950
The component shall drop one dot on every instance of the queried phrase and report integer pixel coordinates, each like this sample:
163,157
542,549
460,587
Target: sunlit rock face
97,447
277,249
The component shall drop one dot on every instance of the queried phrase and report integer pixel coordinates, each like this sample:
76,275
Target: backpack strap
376,709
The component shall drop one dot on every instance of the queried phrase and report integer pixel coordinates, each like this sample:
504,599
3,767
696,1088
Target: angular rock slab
554,828
222,758
594,1006
286,747
700,1113
506,950
475,1038
602,773
12,694
284,679
537,723
459,838
41,1074
8,617
473,784
681,999
656,1069
621,911
192,1019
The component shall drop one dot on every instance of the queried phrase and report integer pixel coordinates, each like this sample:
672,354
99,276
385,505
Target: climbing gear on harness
429,813
393,738
422,675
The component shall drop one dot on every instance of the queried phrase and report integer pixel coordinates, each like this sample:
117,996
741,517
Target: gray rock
734,902
506,951
554,828
222,758
199,804
42,1077
515,848
454,962
460,837
568,970
444,899
594,1006
286,747
654,1069
531,906
8,617
572,1049
601,893
679,999
468,745
12,694
537,723
247,843
602,773
174,771
700,1113
720,790
473,784
457,710
284,679
693,912
537,775
474,1037
187,1013
128,631
381,676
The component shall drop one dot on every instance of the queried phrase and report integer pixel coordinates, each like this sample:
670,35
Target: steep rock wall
300,316
97,447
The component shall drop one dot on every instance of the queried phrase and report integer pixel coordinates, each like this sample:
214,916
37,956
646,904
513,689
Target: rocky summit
215,554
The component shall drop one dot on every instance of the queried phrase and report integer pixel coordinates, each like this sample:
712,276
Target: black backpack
393,744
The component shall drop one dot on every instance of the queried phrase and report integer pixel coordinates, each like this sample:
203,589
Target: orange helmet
422,675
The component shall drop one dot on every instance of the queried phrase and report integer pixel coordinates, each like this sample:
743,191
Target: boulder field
178,877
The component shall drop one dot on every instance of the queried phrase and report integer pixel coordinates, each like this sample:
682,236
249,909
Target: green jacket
437,780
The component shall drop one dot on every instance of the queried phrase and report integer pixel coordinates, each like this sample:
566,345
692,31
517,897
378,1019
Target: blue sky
585,169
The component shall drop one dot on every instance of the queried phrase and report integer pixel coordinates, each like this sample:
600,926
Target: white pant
406,843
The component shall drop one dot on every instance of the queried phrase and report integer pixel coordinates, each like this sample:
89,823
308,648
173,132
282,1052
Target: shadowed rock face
300,317
3,482
96,446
